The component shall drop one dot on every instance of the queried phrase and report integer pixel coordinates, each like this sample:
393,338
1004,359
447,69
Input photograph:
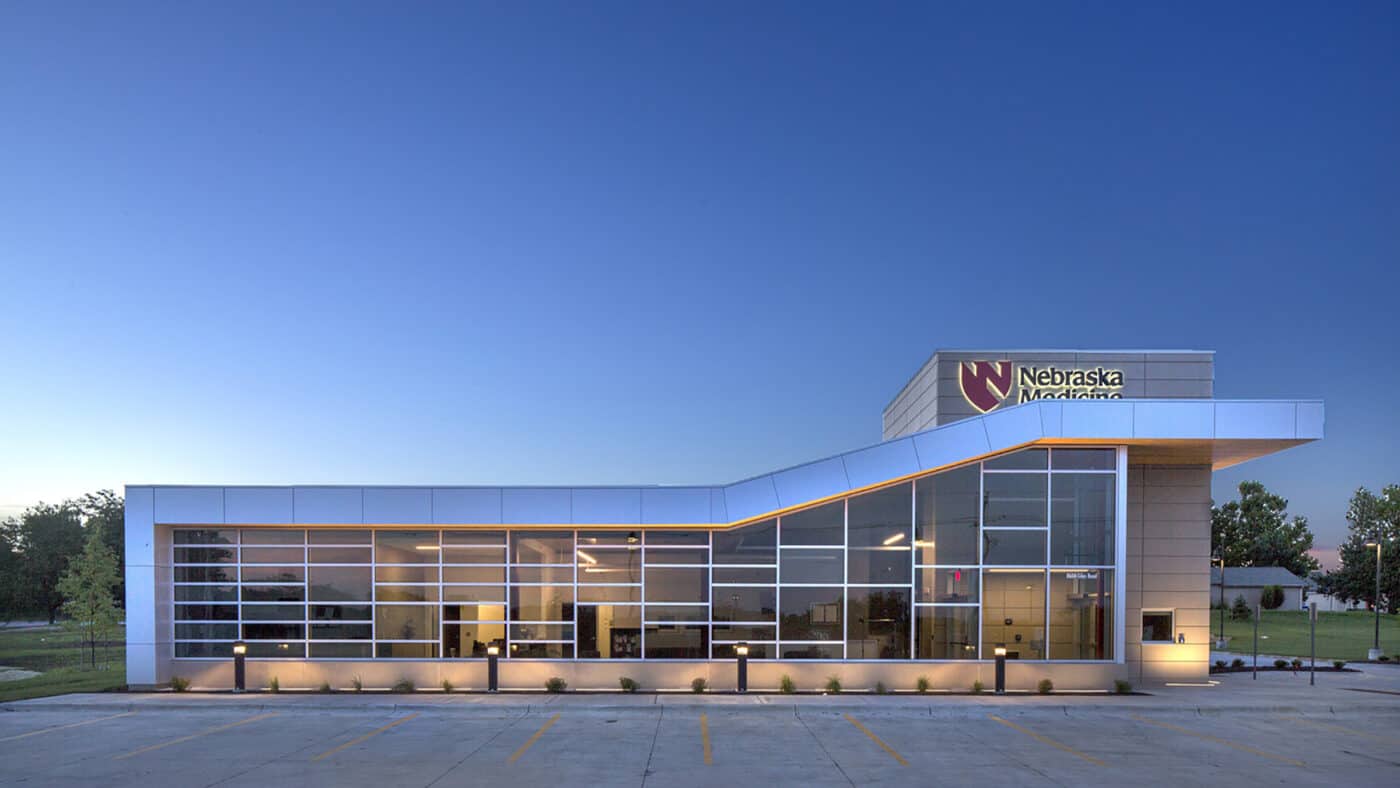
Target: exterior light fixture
632,537
1376,645
1000,653
493,657
240,651
742,651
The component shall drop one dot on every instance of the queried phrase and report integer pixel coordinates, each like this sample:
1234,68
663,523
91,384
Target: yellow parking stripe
366,737
534,738
1339,729
1048,740
887,748
65,727
1218,740
194,736
705,740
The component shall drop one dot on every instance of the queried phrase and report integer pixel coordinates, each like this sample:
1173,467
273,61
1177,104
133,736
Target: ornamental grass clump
786,686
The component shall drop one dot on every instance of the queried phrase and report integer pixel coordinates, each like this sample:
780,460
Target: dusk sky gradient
537,243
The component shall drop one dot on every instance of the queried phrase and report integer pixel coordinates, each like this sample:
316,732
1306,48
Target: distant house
1249,582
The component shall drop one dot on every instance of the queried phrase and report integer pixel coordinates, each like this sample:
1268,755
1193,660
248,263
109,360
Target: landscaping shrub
1339,663
1122,687
1045,687
325,686
179,683
786,686
1383,658
922,684
274,685
357,683
1271,597
556,684
403,685
1220,663
627,684
1240,611
1236,663
833,684
977,687
881,689
446,685
1280,663
1297,663
698,685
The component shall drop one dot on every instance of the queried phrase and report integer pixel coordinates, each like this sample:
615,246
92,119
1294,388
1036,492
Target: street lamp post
1375,652
240,650
1001,668
493,656
742,652
1220,639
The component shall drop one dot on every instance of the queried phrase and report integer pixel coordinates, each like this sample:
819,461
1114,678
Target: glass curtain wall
1018,549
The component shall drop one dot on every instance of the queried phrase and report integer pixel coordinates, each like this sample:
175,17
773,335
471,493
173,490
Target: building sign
987,384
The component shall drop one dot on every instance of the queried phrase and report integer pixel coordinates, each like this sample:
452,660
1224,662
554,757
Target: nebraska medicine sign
987,384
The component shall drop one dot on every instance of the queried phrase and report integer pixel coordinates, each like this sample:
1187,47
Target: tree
106,510
46,537
13,600
1271,597
1370,518
1256,531
1240,611
86,588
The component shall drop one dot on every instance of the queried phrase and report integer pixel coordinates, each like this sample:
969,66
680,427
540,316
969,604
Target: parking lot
1330,736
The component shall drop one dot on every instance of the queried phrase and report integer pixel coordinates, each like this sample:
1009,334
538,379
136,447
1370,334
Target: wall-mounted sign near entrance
987,384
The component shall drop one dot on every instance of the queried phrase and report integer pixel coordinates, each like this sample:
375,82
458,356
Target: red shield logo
985,383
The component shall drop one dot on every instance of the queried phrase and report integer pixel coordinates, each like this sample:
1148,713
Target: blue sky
618,243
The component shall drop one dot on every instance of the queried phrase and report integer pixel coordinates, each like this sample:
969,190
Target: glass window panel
745,632
474,555
339,555
678,556
666,641
810,651
541,631
1081,614
340,612
405,574
810,566
470,640
1013,547
274,631
206,574
1081,518
274,593
341,631
688,538
743,603
206,612
406,547
878,565
879,623
1084,460
339,536
822,525
276,650
406,622
406,650
405,593
541,603
274,612
274,574
206,631
541,547
609,566
542,650
673,584
205,555
752,544
1014,605
1158,626
542,574
946,506
595,538
948,585
474,593
274,536
756,650
340,583
203,650
473,574
1014,499
682,613
474,612
474,538
882,518
1024,460
341,650
946,632
811,614
609,631
206,593
757,575
609,593
274,555
204,536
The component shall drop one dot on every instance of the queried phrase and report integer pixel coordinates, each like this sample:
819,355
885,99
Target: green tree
13,600
87,588
46,537
106,510
1240,610
1370,518
1256,531
1271,597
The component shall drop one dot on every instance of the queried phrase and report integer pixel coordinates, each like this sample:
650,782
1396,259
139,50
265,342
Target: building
1054,502
1249,582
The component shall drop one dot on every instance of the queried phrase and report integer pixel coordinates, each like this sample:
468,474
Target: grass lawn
1285,632
55,652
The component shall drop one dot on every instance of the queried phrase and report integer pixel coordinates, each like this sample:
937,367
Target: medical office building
1056,502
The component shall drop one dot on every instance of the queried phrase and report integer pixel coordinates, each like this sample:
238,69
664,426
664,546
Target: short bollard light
493,656
1001,668
742,652
240,651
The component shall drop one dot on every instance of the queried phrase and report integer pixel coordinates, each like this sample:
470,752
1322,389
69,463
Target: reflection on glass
744,603
946,507
948,585
667,641
946,632
1009,546
810,566
879,623
752,544
1024,460
1081,519
1081,614
1014,499
822,525
541,547
406,547
1084,460
811,614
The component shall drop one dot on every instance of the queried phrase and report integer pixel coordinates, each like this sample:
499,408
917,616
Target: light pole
1000,653
742,652
240,651
493,655
1375,652
1220,640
